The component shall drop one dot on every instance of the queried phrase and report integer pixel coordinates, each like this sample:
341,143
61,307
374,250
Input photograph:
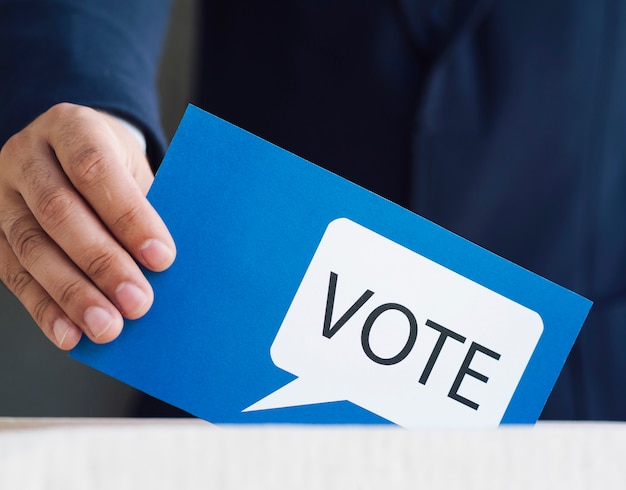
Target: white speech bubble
393,311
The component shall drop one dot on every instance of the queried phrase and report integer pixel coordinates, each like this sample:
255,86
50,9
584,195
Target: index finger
105,164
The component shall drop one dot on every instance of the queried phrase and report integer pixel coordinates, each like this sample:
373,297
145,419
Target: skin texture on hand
74,222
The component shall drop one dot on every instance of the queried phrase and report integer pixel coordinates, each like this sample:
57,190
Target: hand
73,215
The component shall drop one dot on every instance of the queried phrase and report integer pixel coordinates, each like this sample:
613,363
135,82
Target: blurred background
38,380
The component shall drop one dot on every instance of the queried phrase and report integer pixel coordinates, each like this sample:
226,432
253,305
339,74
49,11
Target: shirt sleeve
99,53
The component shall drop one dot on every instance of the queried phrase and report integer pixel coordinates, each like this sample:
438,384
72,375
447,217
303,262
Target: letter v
329,330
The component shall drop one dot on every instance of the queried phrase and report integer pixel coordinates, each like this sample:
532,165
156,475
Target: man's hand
73,215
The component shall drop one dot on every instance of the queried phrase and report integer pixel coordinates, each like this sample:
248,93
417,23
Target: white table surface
191,454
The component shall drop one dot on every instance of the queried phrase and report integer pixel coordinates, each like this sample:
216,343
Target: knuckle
14,146
66,111
18,282
87,162
70,292
128,219
88,166
25,160
100,264
55,203
20,152
38,311
25,239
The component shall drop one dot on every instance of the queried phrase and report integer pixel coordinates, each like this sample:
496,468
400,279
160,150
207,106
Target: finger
83,146
52,321
70,224
83,303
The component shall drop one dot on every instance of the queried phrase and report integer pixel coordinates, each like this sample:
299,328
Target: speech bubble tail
294,394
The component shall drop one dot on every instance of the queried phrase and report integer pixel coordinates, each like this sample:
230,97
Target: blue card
299,297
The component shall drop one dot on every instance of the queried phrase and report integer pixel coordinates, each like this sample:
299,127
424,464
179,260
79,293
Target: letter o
367,328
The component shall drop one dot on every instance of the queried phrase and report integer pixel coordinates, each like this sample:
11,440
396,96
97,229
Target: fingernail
131,299
157,255
60,329
98,321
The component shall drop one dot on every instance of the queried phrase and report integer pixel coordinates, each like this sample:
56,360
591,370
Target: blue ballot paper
299,297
